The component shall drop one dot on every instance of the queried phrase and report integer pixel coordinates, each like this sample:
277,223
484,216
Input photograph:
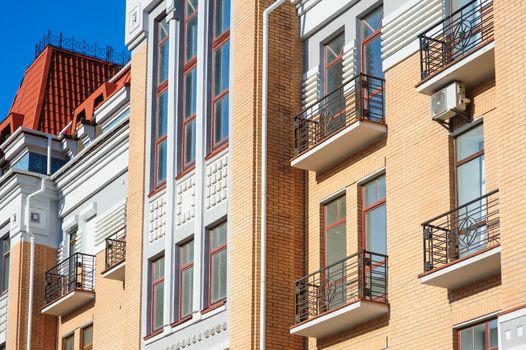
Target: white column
169,257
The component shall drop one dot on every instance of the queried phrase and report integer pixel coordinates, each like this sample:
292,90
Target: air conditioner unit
448,102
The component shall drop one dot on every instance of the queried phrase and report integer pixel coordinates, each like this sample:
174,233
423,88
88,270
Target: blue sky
23,24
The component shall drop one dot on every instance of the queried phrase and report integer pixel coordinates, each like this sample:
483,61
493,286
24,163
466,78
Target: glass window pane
470,143
218,236
334,79
161,162
335,244
163,62
5,273
376,230
373,58
187,278
187,253
87,336
221,68
158,297
369,193
190,93
158,269
164,29
189,143
334,48
381,187
191,7
218,288
162,114
471,180
372,22
335,211
221,119
222,17
466,339
69,343
479,337
191,39
493,334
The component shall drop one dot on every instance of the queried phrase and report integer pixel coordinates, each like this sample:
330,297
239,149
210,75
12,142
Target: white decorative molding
3,316
310,87
196,338
401,29
349,62
216,182
113,221
89,211
157,217
185,201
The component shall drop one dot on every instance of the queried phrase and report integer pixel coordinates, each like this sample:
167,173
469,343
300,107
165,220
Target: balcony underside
69,303
340,319
472,69
463,271
337,147
116,272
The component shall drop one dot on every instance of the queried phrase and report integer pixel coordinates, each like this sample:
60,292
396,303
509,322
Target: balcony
459,48
342,295
69,285
343,122
115,258
462,245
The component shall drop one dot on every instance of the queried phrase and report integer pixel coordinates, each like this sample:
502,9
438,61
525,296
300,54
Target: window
220,72
371,26
87,338
72,235
334,104
68,343
483,336
471,184
188,136
217,261
335,237
374,216
6,245
157,294
161,103
186,279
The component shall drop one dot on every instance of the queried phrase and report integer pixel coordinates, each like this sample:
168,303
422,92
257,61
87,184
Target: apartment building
63,190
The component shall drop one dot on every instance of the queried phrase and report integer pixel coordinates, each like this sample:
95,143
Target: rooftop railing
461,232
456,36
362,98
361,276
74,273
106,53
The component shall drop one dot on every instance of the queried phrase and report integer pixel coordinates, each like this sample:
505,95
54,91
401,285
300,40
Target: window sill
157,190
153,334
181,321
213,307
185,172
217,150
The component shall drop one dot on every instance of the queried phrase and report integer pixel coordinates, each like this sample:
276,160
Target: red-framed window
68,342
86,338
220,103
161,103
371,43
6,259
156,294
217,257
374,216
188,120
186,279
333,63
482,336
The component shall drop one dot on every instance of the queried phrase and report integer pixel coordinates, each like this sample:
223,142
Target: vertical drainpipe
263,234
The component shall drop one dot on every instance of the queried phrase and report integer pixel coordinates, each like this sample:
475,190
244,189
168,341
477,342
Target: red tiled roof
53,86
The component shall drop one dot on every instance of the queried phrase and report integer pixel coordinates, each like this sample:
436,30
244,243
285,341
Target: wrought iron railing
106,53
115,251
462,231
74,273
455,36
362,98
361,276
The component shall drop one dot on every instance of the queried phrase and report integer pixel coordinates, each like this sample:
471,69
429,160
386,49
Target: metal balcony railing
74,273
456,36
462,231
362,98
361,276
115,251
